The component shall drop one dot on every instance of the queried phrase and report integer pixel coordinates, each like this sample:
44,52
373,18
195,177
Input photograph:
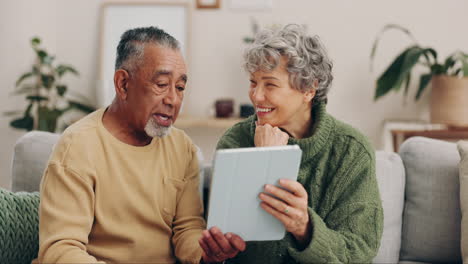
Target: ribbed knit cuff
318,249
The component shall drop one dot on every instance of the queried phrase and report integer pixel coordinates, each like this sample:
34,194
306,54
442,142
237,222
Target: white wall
70,28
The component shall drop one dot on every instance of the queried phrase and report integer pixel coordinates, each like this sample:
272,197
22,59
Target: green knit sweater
338,172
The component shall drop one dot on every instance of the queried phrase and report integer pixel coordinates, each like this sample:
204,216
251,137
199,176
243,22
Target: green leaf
437,69
449,63
35,41
25,89
464,64
465,69
12,113
387,80
82,107
23,77
398,71
407,83
47,80
28,109
423,82
380,34
248,40
41,54
25,122
61,89
49,59
37,98
433,53
62,69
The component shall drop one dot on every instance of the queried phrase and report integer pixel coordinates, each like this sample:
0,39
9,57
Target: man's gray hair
307,59
132,45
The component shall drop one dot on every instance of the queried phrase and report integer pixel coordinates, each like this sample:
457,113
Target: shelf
398,132
206,122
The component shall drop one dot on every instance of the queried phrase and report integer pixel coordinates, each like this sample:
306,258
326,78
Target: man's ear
121,79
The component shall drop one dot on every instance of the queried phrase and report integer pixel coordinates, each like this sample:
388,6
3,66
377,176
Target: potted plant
449,79
45,93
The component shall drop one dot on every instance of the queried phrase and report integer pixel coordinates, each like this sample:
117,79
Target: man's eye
252,83
162,85
180,88
271,85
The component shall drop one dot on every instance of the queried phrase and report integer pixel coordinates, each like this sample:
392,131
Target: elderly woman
333,213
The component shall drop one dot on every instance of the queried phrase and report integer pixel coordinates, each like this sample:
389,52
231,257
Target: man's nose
171,96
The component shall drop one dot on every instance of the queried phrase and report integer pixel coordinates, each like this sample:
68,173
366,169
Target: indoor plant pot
449,100
449,79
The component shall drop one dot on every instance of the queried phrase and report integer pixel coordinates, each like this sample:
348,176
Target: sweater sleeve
66,215
351,231
188,222
235,137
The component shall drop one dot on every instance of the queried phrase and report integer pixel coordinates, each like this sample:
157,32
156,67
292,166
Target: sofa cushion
19,219
32,152
463,169
391,179
431,218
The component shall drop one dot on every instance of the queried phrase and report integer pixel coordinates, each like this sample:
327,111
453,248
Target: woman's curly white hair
307,59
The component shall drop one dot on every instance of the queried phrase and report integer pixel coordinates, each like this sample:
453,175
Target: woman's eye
271,85
253,84
180,88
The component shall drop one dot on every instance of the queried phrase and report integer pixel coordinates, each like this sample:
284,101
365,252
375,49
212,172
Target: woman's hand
217,247
289,207
266,135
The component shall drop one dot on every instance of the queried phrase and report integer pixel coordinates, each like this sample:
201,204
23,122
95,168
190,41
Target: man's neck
116,121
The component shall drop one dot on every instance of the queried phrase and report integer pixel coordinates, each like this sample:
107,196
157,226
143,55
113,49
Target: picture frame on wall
116,18
213,4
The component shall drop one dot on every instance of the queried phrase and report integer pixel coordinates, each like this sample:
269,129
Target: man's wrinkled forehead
170,74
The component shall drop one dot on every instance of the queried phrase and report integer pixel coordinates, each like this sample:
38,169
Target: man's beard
154,130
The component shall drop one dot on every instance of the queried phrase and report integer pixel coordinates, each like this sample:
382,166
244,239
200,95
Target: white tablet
239,175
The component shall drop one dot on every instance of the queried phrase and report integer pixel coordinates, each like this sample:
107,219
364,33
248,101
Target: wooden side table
448,134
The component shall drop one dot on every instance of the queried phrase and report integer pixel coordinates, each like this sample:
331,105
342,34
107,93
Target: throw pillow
463,167
431,218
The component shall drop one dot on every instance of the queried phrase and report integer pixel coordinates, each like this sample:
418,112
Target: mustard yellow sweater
106,201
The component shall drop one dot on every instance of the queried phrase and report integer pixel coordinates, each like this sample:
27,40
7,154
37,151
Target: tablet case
239,176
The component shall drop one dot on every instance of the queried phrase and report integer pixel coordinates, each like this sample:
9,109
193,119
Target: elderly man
121,184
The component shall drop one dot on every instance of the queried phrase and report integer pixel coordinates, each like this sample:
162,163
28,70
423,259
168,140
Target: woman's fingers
280,206
283,218
294,187
266,135
282,194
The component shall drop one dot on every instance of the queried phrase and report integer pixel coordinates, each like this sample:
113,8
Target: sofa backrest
31,155
391,179
431,218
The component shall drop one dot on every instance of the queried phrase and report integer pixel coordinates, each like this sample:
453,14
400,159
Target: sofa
419,189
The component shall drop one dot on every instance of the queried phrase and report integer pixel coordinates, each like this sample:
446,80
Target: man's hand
290,207
218,247
266,135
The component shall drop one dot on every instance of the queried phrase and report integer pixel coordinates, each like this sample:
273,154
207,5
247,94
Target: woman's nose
258,94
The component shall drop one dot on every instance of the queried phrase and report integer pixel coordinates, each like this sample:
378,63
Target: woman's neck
300,127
